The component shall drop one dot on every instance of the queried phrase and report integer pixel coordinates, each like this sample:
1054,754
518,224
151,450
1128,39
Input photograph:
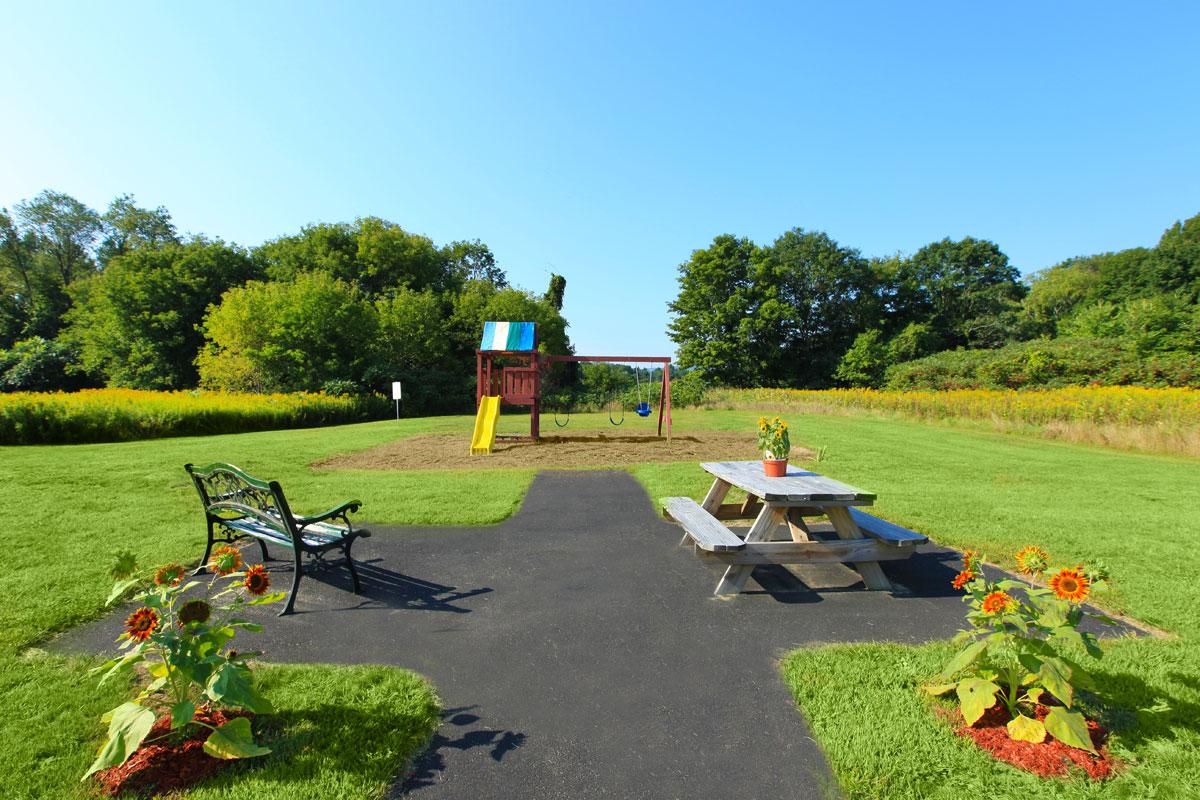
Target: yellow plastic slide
485,426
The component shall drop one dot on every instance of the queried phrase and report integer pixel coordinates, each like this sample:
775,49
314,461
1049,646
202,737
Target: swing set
519,382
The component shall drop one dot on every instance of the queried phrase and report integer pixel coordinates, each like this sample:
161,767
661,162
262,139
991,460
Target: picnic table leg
872,573
797,526
712,501
736,575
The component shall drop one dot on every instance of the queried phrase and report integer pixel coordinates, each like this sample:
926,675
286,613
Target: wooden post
664,401
478,378
535,411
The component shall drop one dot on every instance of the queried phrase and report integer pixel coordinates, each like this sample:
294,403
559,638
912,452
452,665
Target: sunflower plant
773,441
1023,646
184,644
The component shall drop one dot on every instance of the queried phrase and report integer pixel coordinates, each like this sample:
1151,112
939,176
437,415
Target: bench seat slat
318,534
708,534
886,532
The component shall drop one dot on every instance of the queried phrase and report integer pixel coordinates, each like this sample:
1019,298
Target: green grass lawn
77,505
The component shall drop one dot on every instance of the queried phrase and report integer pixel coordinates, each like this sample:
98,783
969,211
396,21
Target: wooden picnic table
863,540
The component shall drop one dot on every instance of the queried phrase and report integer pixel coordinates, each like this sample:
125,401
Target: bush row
117,415
1046,363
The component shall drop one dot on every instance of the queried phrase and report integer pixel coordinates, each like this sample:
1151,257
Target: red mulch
1048,758
167,765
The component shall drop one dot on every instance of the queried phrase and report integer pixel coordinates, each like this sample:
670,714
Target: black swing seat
238,505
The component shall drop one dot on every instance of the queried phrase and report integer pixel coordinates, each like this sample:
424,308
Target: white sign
396,390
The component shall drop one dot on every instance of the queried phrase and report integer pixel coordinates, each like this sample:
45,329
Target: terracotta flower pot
774,467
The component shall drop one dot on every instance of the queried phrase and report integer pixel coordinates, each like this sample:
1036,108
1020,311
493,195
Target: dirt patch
585,449
165,766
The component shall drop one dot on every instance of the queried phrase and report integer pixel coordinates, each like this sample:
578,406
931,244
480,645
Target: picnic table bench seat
702,527
886,532
238,505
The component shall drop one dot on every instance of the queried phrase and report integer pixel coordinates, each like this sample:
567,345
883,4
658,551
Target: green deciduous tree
136,323
127,227
372,255
472,261
288,336
713,324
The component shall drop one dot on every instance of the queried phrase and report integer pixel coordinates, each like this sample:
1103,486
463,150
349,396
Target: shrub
117,415
1046,363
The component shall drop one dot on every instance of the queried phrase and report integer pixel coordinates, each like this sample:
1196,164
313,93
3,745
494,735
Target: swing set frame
520,384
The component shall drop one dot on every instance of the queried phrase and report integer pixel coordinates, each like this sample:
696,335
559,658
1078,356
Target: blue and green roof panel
512,336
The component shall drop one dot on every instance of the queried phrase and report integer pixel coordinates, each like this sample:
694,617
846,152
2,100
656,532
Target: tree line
808,312
119,298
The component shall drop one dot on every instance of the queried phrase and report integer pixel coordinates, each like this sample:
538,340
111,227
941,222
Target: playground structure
519,383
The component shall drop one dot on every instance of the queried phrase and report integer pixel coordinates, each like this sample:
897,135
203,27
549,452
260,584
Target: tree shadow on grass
465,733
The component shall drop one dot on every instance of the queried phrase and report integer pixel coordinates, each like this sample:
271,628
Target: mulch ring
1049,758
167,765
583,449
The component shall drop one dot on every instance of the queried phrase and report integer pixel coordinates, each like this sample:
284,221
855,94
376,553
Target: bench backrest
229,493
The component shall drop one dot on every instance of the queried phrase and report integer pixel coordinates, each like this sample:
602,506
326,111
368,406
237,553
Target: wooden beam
872,573
850,550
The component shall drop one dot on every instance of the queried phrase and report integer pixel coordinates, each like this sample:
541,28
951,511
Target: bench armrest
339,511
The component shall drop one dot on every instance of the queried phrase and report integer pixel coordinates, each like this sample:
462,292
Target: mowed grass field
71,507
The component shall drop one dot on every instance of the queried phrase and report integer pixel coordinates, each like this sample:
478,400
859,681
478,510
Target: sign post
396,395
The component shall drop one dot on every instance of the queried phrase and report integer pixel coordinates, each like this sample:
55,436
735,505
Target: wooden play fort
518,380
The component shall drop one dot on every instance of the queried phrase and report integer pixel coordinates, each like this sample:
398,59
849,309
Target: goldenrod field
1128,417
113,415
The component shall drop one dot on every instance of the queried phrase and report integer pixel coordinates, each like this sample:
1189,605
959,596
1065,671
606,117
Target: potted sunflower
774,444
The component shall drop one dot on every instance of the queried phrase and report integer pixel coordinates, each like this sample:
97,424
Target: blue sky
607,141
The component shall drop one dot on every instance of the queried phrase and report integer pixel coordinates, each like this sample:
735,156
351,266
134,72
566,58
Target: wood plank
708,534
797,526
887,532
716,495
872,573
799,486
735,577
849,550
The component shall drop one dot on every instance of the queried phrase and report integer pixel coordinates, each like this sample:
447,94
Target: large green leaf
1026,729
965,657
231,684
1070,728
234,739
1056,677
182,713
127,726
975,696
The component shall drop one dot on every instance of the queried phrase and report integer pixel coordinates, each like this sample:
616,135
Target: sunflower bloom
997,603
170,575
257,580
141,623
1070,584
194,611
1032,560
970,560
225,559
963,578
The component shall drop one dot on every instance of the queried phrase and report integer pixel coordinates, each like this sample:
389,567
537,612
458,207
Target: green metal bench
238,505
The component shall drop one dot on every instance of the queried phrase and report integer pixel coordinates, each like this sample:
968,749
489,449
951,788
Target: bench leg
871,572
735,576
353,571
200,570
297,573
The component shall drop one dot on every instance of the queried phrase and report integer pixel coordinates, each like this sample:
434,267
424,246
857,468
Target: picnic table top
797,487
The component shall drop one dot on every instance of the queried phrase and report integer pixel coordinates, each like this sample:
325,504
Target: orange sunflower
141,624
1070,584
257,580
963,578
225,559
970,560
170,575
997,602
1032,560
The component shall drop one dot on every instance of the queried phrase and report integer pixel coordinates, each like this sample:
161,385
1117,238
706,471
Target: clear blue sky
607,142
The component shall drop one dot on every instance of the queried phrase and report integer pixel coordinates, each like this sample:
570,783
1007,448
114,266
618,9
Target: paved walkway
580,654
